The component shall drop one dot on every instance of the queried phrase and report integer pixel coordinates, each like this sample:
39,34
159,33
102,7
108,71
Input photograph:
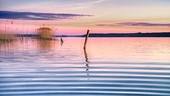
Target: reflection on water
107,67
46,45
87,61
5,46
86,56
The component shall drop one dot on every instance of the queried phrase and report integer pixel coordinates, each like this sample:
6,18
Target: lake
108,67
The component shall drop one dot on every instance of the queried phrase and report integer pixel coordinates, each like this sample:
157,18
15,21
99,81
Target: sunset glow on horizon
74,17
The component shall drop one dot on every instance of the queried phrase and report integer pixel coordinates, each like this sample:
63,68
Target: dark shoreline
164,34
154,34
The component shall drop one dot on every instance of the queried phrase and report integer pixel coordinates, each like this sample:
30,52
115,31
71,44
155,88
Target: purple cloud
134,24
37,16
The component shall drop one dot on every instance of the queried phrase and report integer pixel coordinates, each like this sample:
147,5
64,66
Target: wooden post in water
87,35
61,40
85,53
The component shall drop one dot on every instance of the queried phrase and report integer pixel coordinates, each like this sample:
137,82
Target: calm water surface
108,67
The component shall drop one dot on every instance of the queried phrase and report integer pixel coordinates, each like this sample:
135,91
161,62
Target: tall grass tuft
45,33
6,37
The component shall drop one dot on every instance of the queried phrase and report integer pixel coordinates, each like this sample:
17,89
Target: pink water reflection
129,49
97,50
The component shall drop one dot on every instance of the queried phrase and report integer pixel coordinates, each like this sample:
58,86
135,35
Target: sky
74,17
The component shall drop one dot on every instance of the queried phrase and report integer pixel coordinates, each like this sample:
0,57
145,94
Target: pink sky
75,17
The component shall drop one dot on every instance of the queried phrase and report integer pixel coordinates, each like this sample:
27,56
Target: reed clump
45,33
6,37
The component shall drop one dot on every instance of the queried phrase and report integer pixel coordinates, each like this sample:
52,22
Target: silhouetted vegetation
6,37
45,33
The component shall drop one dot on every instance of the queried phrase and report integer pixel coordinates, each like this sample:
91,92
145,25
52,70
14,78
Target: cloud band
134,24
37,16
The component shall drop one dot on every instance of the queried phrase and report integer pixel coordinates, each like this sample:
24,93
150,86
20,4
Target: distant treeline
162,34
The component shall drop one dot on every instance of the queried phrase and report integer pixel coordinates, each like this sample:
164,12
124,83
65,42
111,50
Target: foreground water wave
108,67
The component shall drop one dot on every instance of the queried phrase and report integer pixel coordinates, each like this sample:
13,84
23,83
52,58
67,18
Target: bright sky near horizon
74,17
